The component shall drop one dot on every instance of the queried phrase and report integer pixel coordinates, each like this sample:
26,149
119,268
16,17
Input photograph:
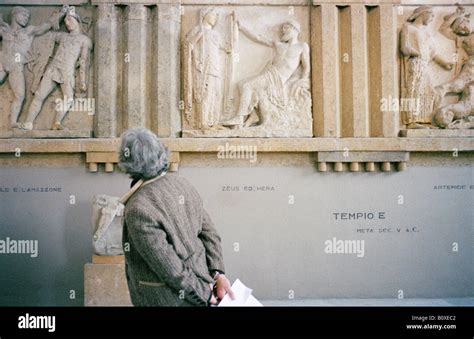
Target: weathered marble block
436,68
246,71
46,78
105,284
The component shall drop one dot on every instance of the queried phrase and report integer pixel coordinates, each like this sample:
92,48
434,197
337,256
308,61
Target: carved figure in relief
73,51
17,42
456,27
460,114
204,71
418,50
280,84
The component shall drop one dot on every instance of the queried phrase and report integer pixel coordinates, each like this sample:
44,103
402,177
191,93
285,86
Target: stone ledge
349,2
254,132
357,161
206,2
341,156
110,158
43,2
271,145
437,133
435,2
46,134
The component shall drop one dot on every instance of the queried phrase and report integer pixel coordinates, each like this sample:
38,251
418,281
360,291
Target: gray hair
142,155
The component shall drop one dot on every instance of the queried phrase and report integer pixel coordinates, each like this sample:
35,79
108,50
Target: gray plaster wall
273,238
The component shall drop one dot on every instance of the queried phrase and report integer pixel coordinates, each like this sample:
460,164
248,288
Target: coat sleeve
212,242
151,242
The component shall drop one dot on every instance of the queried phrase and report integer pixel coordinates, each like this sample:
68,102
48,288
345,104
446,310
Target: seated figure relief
274,102
289,54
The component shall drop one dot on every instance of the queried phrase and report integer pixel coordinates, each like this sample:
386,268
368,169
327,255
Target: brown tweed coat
171,246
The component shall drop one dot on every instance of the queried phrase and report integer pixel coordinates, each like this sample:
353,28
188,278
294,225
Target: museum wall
273,245
368,111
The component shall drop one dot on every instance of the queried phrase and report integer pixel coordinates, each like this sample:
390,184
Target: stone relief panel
436,67
45,72
246,72
458,115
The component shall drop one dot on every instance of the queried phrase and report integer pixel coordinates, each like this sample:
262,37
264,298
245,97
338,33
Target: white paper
243,296
252,301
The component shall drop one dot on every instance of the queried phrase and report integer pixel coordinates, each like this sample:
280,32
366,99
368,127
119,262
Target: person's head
209,16
72,20
142,155
21,15
443,117
423,14
289,30
461,26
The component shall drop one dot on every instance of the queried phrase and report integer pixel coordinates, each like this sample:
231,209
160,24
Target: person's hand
56,18
213,300
223,287
448,66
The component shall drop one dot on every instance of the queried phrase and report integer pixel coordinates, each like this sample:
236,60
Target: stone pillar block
105,285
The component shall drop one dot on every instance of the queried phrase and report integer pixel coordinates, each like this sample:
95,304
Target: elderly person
173,254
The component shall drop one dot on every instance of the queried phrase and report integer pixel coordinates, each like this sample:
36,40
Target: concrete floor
371,302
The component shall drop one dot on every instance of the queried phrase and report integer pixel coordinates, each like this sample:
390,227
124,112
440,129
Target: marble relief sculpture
419,51
204,70
17,42
276,102
278,87
457,27
458,115
73,52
